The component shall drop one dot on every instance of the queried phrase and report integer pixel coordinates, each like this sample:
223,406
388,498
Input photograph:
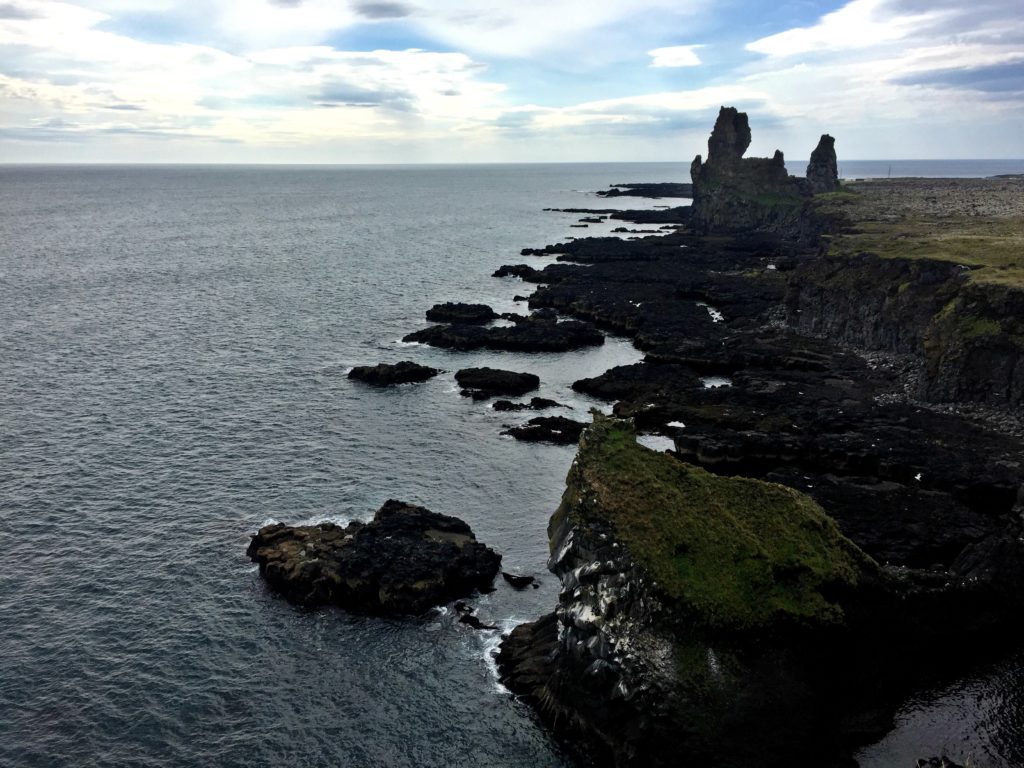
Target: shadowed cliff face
726,620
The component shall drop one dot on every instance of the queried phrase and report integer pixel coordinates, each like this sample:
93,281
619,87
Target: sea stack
823,170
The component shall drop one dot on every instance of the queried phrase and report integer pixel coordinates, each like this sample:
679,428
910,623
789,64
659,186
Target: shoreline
783,372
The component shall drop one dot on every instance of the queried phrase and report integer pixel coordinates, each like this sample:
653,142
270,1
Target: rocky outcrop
722,621
547,429
451,312
732,193
823,169
494,381
528,335
405,561
655,191
535,404
387,374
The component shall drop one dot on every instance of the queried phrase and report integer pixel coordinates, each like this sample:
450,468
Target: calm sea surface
173,350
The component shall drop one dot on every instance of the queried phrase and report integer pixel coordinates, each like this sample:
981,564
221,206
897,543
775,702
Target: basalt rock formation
494,381
823,169
452,312
388,374
405,561
648,658
547,429
732,193
722,621
528,335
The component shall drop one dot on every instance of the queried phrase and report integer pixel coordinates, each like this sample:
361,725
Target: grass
732,553
938,221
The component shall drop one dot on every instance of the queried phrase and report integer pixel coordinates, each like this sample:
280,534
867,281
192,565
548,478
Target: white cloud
675,56
859,24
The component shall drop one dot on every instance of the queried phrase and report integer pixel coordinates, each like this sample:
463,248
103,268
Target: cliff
722,620
928,267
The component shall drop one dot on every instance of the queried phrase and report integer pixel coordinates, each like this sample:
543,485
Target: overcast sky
355,81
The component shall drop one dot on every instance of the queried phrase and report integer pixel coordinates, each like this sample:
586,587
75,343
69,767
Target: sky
429,81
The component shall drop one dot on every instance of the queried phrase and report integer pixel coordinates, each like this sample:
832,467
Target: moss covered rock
729,552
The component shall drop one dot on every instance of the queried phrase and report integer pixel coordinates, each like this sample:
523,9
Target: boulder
496,381
535,404
388,374
405,561
451,312
548,429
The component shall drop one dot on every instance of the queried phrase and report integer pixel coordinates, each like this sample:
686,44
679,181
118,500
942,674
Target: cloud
377,9
859,24
16,12
675,56
339,93
996,78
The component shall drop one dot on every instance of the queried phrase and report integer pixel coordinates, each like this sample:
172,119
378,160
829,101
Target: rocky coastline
841,519
766,290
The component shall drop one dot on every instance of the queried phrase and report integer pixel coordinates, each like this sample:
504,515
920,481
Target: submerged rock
405,561
518,582
387,374
495,381
535,404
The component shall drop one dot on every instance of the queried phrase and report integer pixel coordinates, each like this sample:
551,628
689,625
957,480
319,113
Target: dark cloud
287,3
12,11
998,78
339,93
382,9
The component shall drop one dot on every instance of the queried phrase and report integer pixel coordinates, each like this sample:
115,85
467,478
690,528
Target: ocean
174,343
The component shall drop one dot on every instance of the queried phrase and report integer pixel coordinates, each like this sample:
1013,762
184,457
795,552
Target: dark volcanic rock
823,170
527,335
522,271
386,374
472,621
461,313
654,190
535,404
733,193
548,429
516,581
497,382
404,561
630,673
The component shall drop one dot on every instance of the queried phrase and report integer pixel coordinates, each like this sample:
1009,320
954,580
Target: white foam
656,442
401,343
491,640
676,424
716,315
715,382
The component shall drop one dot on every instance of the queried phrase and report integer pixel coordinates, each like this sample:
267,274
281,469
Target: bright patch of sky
340,81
